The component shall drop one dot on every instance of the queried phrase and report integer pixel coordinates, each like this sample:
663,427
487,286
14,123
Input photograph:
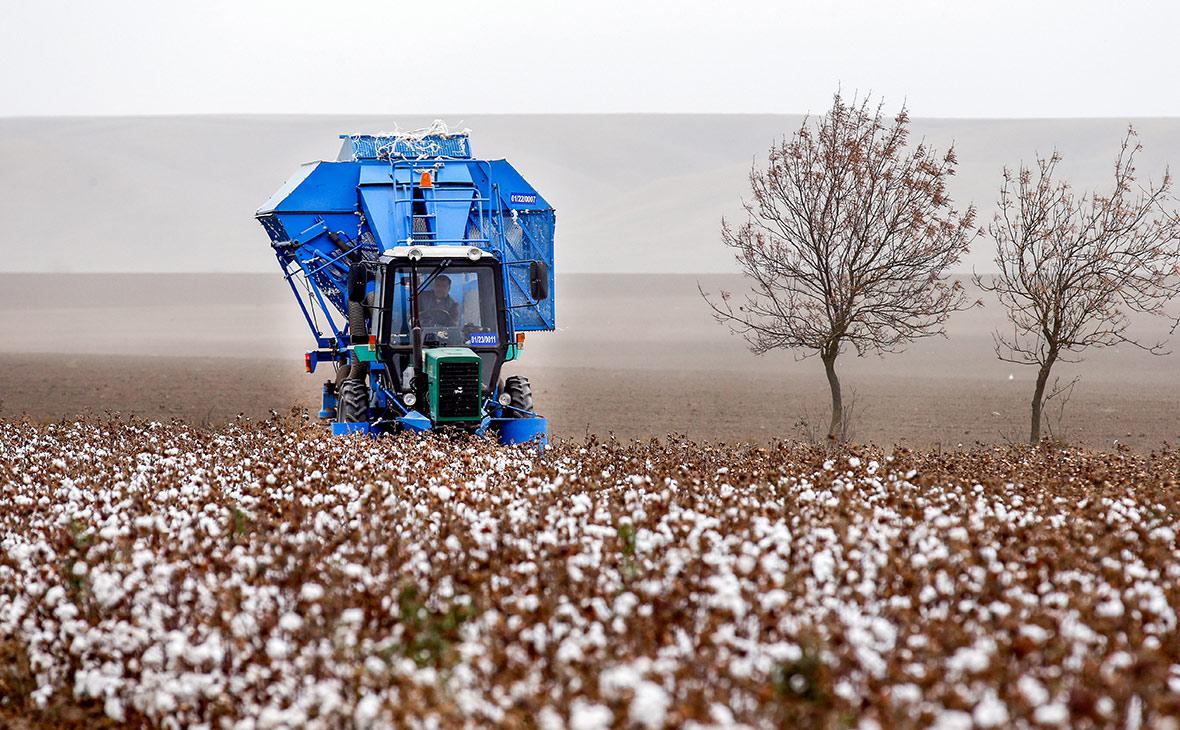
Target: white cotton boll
776,598
823,566
276,648
649,706
1054,714
374,665
746,564
853,461
906,694
1135,713
244,626
153,657
42,694
107,589
614,681
1034,633
1163,534
113,707
952,720
1033,691
271,717
53,595
589,716
311,592
1110,608
366,711
721,715
549,719
290,622
991,711
971,659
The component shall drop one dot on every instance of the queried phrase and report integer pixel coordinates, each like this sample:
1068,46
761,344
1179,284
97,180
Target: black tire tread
352,402
521,392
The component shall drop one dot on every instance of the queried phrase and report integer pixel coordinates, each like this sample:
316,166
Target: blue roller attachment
524,431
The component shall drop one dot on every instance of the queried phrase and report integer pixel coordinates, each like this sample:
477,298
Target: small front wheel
518,389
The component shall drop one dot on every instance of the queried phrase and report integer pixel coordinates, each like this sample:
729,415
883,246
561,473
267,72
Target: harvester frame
366,241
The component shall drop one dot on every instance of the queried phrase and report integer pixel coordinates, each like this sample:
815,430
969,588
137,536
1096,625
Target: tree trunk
835,429
1034,434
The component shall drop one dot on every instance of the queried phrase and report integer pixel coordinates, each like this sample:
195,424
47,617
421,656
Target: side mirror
538,280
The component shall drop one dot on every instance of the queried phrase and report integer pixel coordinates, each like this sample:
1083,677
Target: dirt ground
636,356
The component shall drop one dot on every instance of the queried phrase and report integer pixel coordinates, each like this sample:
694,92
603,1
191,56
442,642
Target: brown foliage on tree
848,234
1072,268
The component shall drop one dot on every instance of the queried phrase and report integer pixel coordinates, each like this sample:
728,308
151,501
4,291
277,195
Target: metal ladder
423,227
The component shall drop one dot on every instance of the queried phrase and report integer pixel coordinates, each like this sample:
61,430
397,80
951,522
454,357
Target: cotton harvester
418,269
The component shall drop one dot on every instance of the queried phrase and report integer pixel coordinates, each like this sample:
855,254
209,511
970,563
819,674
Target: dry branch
1072,268
847,238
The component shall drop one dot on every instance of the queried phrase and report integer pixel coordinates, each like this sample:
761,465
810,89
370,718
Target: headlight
409,399
474,253
504,399
415,254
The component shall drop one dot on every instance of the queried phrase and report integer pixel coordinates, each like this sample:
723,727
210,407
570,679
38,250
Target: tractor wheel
518,388
352,401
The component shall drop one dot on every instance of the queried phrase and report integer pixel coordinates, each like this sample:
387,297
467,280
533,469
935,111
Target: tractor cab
440,328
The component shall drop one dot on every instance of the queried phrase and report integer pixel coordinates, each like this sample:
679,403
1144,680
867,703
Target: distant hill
636,193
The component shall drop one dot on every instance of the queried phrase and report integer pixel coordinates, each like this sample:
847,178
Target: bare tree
847,238
1072,268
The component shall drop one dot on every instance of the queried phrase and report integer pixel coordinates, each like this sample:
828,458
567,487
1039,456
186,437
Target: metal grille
535,242
274,228
458,389
382,147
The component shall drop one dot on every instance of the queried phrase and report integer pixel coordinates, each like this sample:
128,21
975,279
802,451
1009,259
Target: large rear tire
352,401
517,387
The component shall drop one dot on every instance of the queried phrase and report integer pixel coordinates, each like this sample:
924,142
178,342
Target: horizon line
327,115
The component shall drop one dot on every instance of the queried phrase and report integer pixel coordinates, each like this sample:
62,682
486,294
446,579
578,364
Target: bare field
628,404
637,356
268,575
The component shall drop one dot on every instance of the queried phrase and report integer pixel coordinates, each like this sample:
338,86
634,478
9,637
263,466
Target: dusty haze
635,355
633,192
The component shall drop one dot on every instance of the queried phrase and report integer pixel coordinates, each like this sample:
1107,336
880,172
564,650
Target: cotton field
269,576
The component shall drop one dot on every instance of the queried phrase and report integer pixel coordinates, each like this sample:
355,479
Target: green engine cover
455,384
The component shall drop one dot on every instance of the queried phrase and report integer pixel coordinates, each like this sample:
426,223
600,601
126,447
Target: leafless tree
1072,268
846,240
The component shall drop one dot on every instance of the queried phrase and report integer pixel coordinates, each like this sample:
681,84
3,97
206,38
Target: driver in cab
436,306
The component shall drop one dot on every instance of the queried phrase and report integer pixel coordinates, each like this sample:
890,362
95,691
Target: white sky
1027,58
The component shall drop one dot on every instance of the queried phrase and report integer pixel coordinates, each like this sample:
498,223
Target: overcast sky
1064,58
